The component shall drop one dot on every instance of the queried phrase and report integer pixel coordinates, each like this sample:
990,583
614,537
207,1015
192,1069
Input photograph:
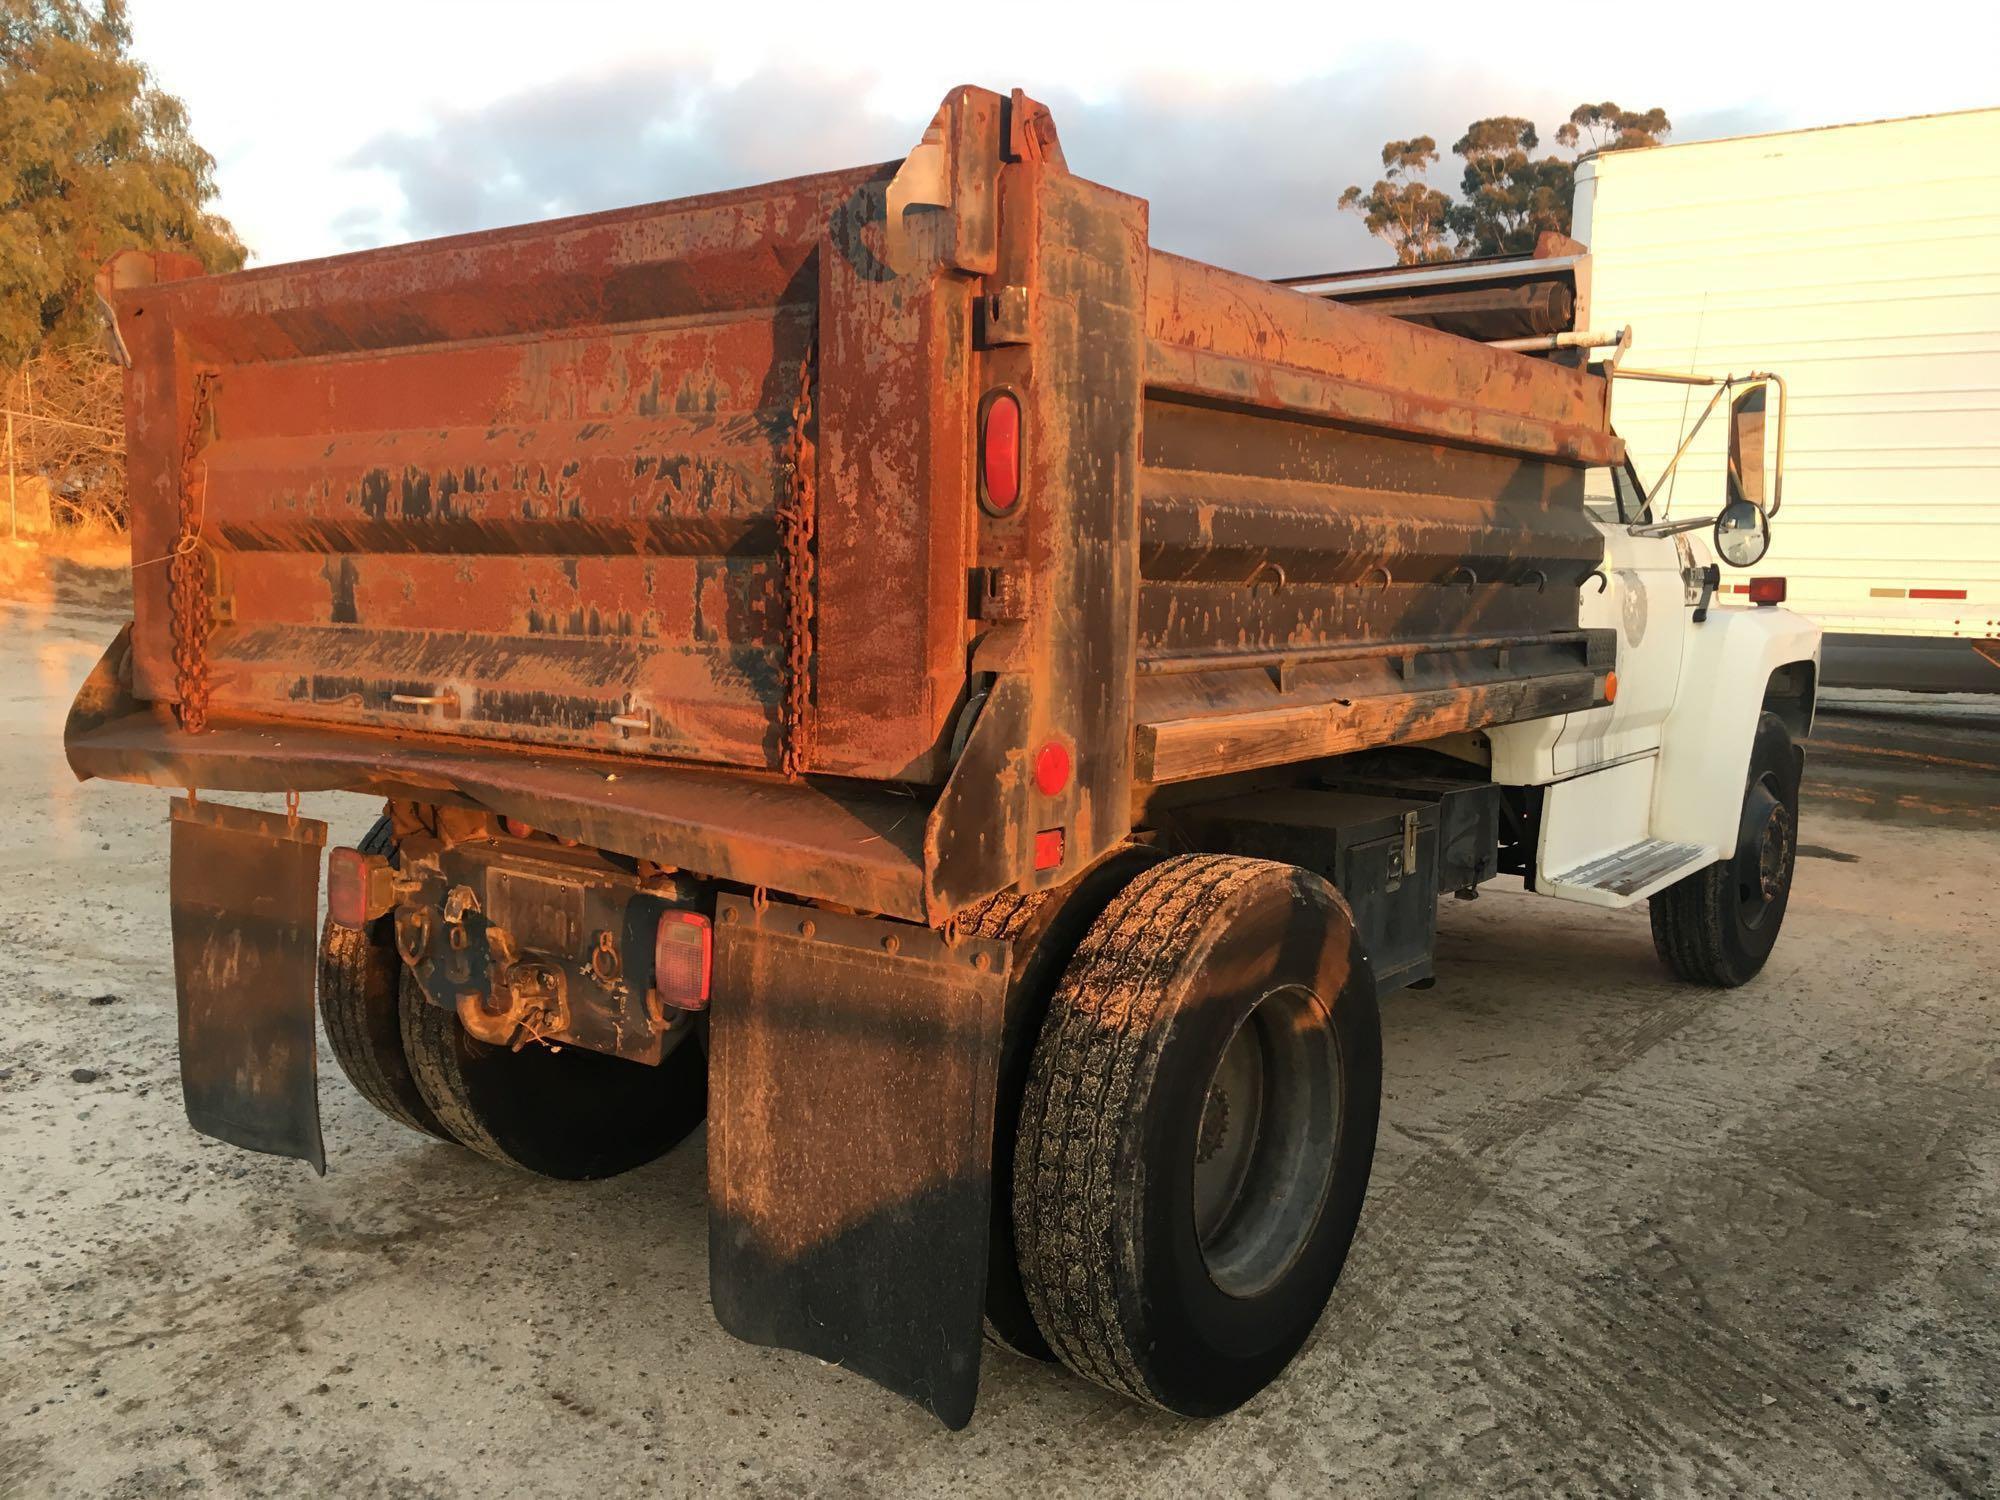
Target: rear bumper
856,844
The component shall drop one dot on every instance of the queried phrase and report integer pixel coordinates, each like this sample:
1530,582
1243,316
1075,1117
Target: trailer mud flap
245,902
853,1066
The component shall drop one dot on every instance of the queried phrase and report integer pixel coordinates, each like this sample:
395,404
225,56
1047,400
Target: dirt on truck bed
1623,1236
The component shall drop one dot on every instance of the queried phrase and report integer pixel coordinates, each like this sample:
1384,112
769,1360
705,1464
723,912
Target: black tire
1717,926
1044,927
569,1113
360,978
1196,958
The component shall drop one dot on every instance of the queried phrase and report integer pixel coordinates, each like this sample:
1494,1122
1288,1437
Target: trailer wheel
1717,926
359,981
1197,1131
559,1112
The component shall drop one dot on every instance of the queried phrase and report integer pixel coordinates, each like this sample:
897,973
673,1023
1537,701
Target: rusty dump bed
663,528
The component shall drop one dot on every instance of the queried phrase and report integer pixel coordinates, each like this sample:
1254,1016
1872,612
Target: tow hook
528,1001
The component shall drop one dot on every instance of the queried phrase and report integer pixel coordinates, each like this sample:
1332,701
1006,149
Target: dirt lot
1623,1236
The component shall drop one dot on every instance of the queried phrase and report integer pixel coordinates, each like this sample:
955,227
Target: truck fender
1726,671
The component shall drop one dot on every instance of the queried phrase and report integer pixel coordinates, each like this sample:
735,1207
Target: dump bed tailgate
542,485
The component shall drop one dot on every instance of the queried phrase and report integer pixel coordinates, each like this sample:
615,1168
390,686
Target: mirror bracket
1669,528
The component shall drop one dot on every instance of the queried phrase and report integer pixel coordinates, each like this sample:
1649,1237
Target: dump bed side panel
1337,507
536,485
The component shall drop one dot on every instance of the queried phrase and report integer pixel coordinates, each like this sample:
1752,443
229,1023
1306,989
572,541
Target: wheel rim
1764,862
1264,1148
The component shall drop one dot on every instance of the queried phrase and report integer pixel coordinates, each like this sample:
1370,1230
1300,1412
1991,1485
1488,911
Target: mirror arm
1778,472
1669,528
1670,377
1721,390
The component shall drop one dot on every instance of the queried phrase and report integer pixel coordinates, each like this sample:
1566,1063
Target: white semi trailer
1862,261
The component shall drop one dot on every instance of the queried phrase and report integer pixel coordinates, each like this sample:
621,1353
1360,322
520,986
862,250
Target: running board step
1624,876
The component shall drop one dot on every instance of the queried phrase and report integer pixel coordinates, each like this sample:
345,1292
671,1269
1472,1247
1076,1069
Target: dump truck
974,710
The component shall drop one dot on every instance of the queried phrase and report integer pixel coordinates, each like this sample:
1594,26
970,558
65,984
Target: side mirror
1742,533
1746,448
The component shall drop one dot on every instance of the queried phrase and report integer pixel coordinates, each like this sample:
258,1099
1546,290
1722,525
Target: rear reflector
1048,848
359,887
1767,591
1052,768
1000,453
1937,593
683,960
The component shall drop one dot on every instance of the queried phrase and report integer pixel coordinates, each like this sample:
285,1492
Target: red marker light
1052,768
1770,591
1048,848
683,960
1000,453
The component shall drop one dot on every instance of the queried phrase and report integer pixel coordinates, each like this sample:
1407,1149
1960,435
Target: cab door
1644,598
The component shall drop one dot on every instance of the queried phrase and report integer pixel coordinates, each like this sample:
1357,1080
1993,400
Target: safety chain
188,573
797,523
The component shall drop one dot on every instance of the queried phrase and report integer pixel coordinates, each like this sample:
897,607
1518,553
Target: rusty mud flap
851,1089
245,899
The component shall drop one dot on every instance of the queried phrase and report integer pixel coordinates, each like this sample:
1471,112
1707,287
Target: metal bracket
1711,580
1003,317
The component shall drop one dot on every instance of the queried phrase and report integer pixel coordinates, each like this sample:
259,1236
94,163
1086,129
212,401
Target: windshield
1613,496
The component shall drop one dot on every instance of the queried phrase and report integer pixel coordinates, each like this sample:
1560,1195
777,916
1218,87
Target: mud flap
850,1143
245,902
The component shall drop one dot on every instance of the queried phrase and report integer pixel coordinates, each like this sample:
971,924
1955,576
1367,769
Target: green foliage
1606,127
94,159
1509,197
1402,208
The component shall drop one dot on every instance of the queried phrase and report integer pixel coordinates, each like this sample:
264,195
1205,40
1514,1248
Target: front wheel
1197,1131
1717,926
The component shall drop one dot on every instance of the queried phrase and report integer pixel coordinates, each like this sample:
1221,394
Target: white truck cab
1682,790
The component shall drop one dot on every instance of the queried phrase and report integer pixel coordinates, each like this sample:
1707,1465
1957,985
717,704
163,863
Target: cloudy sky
338,126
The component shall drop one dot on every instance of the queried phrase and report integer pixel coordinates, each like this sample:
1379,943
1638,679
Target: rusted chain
187,571
797,525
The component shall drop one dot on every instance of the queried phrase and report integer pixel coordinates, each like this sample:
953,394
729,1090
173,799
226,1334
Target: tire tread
1096,1052
350,966
1691,919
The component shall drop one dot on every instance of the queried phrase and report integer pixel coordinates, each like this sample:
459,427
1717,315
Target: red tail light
1000,453
683,960
358,887
1767,591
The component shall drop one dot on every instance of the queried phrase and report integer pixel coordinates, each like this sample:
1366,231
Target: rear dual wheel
571,1113
558,1112
360,1005
1196,1132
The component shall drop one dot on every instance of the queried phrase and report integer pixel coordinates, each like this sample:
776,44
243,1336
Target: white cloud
345,125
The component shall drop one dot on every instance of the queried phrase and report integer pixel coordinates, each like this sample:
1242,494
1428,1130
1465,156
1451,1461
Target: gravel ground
1623,1236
